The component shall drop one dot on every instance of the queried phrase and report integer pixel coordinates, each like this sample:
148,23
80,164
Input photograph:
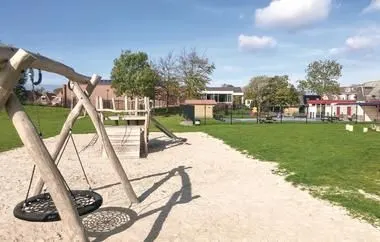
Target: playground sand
213,193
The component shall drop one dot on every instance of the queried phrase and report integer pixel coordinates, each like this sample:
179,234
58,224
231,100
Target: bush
168,111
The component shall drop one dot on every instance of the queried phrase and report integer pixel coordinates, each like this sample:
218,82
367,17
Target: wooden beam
43,63
106,142
10,73
48,170
120,111
71,118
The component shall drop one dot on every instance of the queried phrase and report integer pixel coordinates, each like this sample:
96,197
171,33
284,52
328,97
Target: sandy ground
200,191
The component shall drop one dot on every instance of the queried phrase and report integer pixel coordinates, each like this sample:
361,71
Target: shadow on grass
109,221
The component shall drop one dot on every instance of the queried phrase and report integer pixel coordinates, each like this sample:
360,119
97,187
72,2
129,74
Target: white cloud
252,43
292,13
366,39
361,42
373,6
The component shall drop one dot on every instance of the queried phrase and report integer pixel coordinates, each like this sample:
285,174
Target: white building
345,109
225,95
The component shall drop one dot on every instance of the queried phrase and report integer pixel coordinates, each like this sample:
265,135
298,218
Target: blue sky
244,38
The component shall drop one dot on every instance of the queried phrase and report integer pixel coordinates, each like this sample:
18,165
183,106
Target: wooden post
10,73
126,103
146,124
97,102
106,142
73,116
47,169
113,104
136,105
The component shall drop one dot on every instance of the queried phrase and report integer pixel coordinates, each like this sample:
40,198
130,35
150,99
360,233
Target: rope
91,143
80,161
30,184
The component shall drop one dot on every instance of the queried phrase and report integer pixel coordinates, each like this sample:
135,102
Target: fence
357,112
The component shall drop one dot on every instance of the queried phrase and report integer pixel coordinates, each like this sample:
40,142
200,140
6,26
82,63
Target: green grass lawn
323,158
332,163
51,120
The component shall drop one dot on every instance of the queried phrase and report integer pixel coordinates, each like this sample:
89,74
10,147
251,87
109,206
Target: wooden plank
126,141
120,111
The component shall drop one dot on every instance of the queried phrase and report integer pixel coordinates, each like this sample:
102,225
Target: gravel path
200,191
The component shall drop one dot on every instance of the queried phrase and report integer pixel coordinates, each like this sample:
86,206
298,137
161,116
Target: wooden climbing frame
12,62
136,112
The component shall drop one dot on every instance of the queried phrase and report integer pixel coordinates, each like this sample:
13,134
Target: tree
281,92
257,91
58,90
227,85
194,72
271,91
133,75
167,69
20,90
322,77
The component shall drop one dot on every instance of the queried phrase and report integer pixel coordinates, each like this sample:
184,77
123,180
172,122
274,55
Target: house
46,98
360,102
226,95
105,90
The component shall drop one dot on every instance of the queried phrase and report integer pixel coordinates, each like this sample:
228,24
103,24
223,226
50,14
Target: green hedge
168,111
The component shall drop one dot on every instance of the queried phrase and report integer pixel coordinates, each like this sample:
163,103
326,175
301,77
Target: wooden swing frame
12,62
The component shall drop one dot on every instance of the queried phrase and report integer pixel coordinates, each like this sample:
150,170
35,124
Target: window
229,98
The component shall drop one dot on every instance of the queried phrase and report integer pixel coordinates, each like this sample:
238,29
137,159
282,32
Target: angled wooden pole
48,170
72,117
11,71
106,142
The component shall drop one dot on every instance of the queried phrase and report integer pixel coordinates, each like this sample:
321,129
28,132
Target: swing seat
41,208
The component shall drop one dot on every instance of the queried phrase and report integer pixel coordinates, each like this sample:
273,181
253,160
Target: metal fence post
231,115
205,113
356,114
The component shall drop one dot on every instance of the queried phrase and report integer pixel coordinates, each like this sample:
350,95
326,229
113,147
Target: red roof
344,102
200,102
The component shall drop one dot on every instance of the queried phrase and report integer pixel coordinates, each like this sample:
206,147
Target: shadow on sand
158,145
108,221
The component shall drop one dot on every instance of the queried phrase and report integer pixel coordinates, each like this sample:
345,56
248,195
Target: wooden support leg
106,142
73,116
47,168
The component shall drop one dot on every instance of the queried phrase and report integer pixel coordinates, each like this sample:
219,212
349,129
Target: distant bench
268,119
330,119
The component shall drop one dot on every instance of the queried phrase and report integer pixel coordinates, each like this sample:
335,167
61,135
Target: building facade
356,102
224,95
